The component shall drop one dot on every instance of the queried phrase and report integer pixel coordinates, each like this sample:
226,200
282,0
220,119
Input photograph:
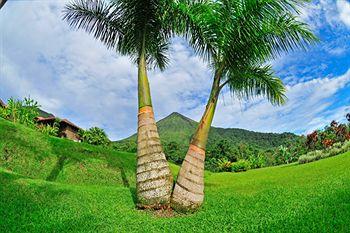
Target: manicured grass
89,194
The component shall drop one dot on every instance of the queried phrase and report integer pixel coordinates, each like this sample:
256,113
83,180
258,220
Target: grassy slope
179,128
89,193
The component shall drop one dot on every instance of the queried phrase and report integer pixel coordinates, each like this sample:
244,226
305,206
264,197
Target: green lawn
54,185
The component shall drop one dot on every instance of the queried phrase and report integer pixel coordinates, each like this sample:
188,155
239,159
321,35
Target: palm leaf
253,81
95,17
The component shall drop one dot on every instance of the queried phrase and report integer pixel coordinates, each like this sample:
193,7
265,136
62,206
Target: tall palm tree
237,38
2,3
140,29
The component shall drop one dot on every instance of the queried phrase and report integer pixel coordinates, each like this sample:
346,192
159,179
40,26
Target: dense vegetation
228,150
94,136
261,149
48,184
179,129
21,111
25,112
334,139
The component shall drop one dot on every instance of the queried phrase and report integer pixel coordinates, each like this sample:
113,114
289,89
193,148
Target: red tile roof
70,123
46,119
41,119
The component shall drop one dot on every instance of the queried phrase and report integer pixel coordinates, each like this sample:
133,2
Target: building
66,128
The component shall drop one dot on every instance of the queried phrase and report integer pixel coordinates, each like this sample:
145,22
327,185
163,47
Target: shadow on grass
115,162
57,169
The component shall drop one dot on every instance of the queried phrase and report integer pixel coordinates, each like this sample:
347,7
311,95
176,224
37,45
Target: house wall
70,133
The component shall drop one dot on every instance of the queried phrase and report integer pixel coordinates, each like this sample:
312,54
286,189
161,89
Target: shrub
94,136
332,152
21,111
224,165
311,156
336,149
257,161
48,129
346,146
240,165
211,164
128,146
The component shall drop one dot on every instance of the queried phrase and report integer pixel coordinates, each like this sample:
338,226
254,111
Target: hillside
179,128
54,185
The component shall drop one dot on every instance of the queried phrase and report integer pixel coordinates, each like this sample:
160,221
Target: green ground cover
55,185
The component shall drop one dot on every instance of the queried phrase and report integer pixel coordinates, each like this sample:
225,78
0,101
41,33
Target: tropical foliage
238,38
335,149
94,136
127,146
21,111
141,30
332,133
51,130
334,139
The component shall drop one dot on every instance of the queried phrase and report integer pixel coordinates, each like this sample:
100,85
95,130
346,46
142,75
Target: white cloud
308,108
76,77
319,13
344,11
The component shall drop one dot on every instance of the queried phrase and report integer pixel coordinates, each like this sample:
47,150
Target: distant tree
174,152
223,149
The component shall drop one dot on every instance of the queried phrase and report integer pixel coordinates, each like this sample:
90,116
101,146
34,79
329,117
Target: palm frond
263,31
196,20
253,81
95,17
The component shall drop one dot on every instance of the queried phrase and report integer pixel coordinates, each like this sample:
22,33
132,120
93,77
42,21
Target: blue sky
76,77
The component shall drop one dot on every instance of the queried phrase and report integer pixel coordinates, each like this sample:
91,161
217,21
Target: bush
346,146
336,149
224,165
241,165
94,136
21,111
257,161
311,156
128,146
48,129
211,164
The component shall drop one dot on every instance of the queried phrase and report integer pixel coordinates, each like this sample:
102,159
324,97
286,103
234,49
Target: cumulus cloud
76,77
332,12
344,11
309,107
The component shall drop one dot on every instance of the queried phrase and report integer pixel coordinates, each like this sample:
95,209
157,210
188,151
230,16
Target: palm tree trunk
2,3
153,175
188,194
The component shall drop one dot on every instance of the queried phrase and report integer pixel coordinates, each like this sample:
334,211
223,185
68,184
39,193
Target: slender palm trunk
188,194
2,3
153,175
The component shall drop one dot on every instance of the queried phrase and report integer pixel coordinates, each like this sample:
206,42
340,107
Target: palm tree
2,3
140,29
237,38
